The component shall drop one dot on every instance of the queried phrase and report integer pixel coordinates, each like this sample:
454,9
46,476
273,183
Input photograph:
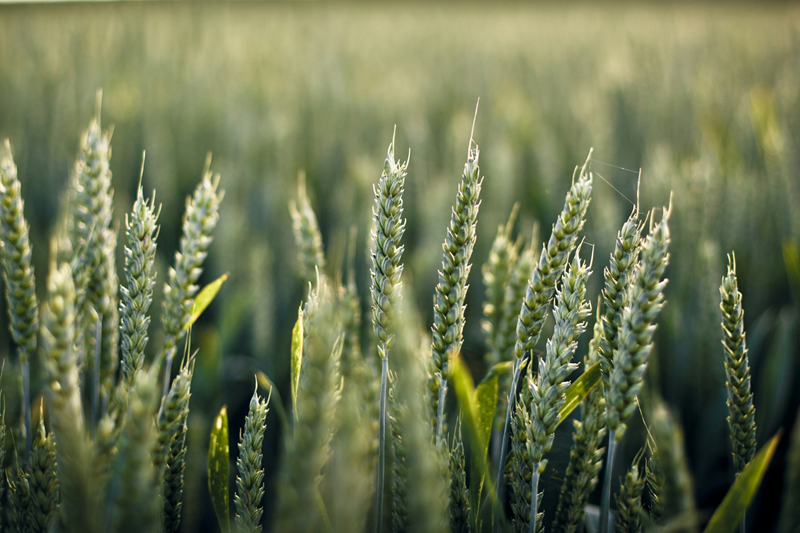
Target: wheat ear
385,290
19,278
533,310
586,454
250,479
170,419
172,486
461,520
137,295
307,236
199,221
448,299
72,449
629,500
135,498
497,274
317,397
741,412
42,479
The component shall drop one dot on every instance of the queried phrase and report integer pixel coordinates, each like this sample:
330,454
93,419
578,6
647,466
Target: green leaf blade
219,469
730,512
579,390
204,299
297,358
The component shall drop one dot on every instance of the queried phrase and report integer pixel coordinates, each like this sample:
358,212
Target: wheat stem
605,500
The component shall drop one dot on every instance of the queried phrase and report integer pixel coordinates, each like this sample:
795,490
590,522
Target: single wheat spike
306,233
629,500
199,221
250,478
450,292
137,295
741,412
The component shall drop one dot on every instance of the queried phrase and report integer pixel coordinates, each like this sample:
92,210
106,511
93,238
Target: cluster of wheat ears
114,457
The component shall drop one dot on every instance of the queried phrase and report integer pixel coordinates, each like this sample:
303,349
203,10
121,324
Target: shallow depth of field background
704,99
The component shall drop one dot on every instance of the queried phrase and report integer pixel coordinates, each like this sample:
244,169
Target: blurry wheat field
704,100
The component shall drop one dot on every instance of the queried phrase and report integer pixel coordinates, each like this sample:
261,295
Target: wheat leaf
219,469
204,299
579,390
297,358
730,512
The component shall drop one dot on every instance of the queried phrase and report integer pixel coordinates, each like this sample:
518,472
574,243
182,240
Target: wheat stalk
250,481
19,277
397,419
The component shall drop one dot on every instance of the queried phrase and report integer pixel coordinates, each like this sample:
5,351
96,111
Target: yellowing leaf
730,512
297,357
219,469
204,299
579,390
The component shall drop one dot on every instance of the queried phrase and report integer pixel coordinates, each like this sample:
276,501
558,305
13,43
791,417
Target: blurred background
703,99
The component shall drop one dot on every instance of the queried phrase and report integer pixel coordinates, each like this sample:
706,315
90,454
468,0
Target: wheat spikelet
451,290
307,236
19,495
250,481
741,412
137,295
172,487
586,454
103,297
512,299
645,299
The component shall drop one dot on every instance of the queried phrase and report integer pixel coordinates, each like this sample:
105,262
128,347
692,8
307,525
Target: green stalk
605,500
381,444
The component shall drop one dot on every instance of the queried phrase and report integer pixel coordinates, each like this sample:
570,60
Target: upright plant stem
606,499
381,449
440,413
26,402
504,446
534,501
